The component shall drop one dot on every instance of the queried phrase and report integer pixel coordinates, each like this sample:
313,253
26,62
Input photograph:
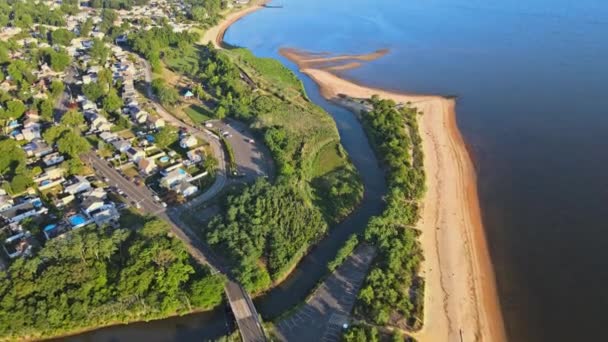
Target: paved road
144,197
204,134
239,300
244,312
322,316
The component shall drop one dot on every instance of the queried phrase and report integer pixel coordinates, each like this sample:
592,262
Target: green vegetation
230,153
276,224
343,253
366,333
166,136
167,95
24,14
265,222
13,167
197,114
393,291
100,276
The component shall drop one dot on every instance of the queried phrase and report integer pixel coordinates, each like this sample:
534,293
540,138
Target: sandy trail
461,302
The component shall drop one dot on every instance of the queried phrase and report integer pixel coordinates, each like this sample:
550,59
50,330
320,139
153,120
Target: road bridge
240,302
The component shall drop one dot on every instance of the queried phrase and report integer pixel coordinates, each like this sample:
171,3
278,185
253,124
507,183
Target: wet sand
461,302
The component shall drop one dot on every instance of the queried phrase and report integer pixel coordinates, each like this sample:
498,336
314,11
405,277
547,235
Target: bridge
240,302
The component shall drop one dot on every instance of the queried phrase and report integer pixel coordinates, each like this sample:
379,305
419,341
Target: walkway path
322,316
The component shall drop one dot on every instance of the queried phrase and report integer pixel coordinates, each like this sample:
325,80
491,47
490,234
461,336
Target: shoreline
215,34
461,300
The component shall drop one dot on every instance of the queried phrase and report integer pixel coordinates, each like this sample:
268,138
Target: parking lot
252,157
324,314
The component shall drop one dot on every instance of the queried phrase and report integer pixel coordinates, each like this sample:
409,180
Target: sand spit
461,303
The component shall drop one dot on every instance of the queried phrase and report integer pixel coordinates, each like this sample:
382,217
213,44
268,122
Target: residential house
100,124
121,145
108,136
53,159
195,155
155,122
63,199
77,185
186,189
37,148
52,176
91,203
172,178
147,166
187,141
19,212
6,201
139,116
135,154
18,245
105,215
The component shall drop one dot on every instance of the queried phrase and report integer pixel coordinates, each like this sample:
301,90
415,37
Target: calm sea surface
532,78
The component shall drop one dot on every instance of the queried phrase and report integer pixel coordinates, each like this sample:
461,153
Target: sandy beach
216,33
461,303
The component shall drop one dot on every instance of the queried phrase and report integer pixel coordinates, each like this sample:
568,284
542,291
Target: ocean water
531,79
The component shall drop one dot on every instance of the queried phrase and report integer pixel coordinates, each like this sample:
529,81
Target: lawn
197,113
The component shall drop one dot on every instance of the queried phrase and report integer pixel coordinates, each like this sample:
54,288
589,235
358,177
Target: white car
156,198
163,204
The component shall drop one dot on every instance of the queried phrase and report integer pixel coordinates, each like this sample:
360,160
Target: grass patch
197,113
329,158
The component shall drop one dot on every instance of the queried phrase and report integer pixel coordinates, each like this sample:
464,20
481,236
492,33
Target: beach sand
461,302
216,33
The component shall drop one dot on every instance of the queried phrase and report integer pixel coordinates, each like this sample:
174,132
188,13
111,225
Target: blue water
531,79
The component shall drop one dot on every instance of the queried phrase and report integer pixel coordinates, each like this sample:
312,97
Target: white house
187,141
79,184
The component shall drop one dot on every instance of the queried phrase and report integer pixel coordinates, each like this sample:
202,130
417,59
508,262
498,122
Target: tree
72,118
12,158
112,102
73,166
14,110
56,88
52,134
45,107
99,52
93,91
166,95
220,112
62,36
59,60
86,27
20,183
72,144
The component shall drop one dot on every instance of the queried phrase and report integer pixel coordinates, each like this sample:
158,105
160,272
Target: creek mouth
307,274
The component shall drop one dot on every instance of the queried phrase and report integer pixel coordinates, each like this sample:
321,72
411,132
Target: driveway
322,316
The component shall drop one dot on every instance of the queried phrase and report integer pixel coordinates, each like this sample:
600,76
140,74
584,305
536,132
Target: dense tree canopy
393,289
97,276
62,36
273,223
